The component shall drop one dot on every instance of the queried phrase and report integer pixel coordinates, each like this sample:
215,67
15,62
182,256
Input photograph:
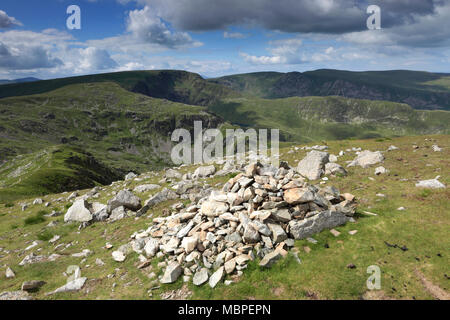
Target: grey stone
367,158
200,277
173,271
278,234
270,258
73,285
328,219
126,199
312,166
216,277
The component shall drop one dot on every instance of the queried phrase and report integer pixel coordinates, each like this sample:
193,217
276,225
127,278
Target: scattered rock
78,212
173,271
73,285
270,258
380,170
200,277
9,273
432,184
216,277
367,158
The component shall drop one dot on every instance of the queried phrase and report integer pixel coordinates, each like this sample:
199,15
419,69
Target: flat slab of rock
328,219
73,285
216,277
270,258
432,184
298,195
201,277
367,158
312,166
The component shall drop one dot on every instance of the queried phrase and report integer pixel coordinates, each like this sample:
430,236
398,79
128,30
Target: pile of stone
258,213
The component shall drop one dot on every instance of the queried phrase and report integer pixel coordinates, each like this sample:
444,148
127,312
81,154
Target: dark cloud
26,58
304,16
7,21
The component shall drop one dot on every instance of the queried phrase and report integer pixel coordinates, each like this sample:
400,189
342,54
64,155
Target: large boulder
328,219
78,212
367,158
312,166
126,199
203,172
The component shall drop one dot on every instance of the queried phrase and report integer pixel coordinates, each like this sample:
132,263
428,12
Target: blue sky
218,37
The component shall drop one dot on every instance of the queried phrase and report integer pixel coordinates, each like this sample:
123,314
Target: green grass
422,228
55,169
35,219
311,119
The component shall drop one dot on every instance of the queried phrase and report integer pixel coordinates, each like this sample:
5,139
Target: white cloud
146,27
7,21
286,51
95,59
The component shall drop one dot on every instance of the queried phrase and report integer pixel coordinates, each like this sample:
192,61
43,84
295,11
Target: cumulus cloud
7,21
286,51
95,59
26,58
147,27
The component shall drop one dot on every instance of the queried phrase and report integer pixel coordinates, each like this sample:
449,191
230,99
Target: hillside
315,118
421,90
124,130
173,85
52,170
398,227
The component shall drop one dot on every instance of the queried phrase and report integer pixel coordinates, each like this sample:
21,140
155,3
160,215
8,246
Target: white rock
432,184
78,212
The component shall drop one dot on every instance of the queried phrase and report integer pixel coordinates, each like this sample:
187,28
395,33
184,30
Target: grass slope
52,170
422,228
315,118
